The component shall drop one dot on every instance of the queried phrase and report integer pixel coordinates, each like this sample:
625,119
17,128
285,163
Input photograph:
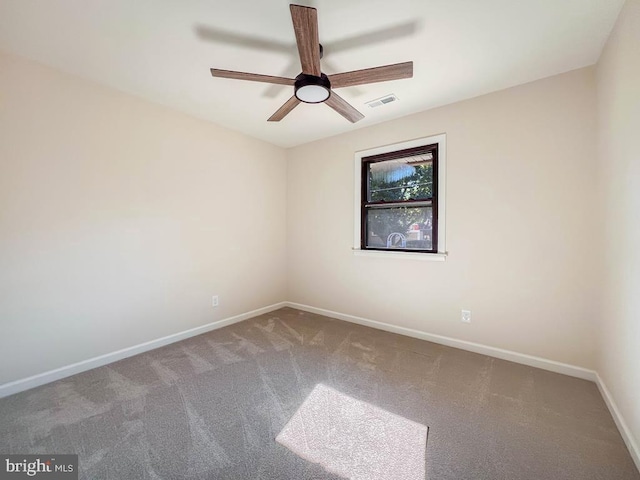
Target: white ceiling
162,50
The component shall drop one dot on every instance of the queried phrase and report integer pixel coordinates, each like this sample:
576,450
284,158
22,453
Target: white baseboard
516,357
66,371
625,432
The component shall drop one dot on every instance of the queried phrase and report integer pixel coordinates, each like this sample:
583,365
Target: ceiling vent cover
382,100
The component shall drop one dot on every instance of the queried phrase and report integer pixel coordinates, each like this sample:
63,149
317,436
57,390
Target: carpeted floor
212,406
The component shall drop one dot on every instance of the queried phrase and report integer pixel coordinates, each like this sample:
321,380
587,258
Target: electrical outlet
215,301
466,316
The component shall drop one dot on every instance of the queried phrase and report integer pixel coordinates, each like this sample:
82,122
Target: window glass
400,227
401,179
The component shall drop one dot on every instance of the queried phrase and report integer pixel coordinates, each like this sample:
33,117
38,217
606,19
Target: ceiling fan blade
341,106
284,110
305,24
372,75
254,77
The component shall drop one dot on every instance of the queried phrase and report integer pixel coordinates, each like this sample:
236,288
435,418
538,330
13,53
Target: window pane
401,227
409,178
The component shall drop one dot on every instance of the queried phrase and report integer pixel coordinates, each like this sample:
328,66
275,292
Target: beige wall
618,82
522,230
120,219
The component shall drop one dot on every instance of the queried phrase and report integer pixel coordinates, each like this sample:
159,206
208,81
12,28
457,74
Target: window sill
433,257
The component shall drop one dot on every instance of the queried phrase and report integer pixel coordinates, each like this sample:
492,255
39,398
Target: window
400,201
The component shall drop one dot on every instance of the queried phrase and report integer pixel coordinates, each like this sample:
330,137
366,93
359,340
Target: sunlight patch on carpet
354,439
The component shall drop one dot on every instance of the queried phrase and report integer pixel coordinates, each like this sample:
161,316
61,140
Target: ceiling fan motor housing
312,89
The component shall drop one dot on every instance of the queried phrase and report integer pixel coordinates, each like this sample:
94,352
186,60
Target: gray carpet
211,407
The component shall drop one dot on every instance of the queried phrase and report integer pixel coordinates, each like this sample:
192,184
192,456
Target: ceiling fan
313,86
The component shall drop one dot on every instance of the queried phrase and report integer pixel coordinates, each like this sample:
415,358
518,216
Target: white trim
84,365
441,140
624,429
524,359
434,257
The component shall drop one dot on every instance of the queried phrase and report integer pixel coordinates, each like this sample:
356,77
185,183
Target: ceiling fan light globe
312,93
312,89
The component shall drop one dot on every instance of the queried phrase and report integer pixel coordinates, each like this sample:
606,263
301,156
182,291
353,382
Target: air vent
382,100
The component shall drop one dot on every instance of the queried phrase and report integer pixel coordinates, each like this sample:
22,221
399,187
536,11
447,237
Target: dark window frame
365,205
